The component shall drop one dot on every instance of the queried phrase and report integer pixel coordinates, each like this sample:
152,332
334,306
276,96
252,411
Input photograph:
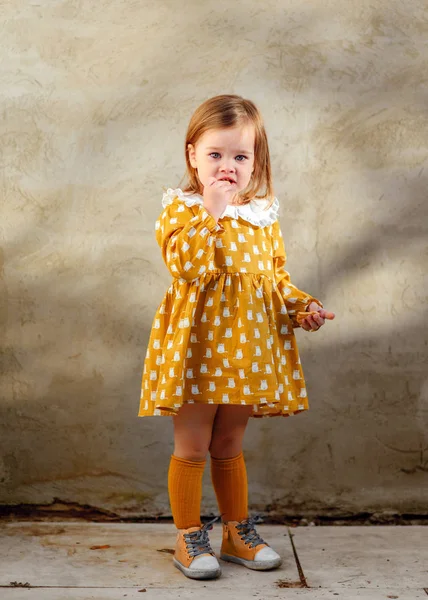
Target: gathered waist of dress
221,273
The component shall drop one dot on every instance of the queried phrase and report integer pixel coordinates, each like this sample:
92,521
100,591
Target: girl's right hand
217,195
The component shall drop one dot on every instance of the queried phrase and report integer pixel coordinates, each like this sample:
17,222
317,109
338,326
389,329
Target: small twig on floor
303,581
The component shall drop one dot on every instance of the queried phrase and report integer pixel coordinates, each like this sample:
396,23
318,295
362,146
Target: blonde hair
224,111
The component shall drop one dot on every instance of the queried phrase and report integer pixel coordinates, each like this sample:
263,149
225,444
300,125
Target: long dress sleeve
295,300
186,236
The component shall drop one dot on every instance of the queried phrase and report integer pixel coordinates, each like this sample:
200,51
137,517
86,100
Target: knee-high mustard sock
185,491
229,477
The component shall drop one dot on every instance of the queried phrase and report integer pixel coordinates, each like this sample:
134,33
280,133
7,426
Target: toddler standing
222,347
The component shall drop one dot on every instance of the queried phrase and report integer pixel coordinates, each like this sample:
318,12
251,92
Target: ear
191,151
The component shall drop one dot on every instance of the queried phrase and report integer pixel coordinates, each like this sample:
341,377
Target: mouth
229,179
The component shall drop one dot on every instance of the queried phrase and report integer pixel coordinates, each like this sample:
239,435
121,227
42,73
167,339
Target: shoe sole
256,565
195,573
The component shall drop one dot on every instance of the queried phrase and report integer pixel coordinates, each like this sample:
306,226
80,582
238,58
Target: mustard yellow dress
223,333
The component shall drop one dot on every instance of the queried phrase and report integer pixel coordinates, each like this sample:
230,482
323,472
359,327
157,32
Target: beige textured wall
95,101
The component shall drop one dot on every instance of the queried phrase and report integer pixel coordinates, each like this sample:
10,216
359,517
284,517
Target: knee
194,450
225,445
190,455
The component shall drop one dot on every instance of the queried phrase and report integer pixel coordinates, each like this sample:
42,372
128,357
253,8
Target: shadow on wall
71,391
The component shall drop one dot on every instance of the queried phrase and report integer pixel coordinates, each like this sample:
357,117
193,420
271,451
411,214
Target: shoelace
248,532
197,542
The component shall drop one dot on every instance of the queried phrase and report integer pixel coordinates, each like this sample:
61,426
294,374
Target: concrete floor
58,561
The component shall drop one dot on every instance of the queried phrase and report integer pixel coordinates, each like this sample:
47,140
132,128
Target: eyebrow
241,151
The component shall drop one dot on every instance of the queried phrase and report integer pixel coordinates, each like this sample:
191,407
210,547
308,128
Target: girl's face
224,153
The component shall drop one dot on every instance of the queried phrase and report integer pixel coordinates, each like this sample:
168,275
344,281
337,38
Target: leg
228,471
193,426
192,435
228,430
193,554
229,477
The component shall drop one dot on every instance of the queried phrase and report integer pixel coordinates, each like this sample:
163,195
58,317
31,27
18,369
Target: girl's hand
316,317
217,195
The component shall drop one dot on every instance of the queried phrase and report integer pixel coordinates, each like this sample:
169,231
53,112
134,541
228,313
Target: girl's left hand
314,322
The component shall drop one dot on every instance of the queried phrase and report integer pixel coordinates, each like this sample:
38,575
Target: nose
227,168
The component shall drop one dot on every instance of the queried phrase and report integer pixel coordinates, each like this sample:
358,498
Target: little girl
222,347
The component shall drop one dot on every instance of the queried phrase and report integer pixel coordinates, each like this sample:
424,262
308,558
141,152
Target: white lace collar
253,212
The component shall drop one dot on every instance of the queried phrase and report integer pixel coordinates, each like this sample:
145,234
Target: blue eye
244,157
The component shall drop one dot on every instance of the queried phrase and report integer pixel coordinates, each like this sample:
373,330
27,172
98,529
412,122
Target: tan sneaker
242,544
194,555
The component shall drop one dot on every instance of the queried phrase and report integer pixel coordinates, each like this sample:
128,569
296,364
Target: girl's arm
187,240
295,300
